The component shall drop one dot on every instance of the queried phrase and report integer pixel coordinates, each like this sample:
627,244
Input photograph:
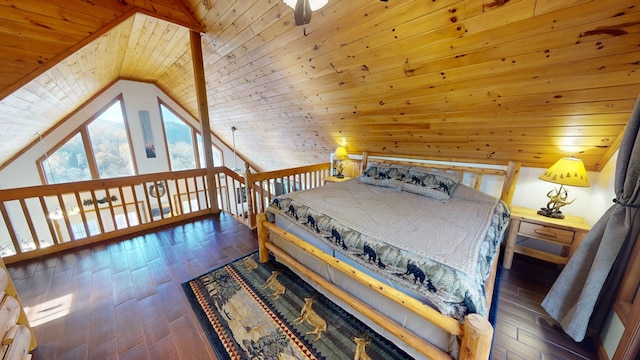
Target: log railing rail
264,186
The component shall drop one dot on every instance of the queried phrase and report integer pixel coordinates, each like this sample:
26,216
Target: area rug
250,310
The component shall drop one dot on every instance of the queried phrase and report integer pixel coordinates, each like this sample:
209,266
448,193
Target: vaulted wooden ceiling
476,80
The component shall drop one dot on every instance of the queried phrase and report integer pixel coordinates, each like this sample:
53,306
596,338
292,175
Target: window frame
45,157
194,137
83,130
214,146
192,130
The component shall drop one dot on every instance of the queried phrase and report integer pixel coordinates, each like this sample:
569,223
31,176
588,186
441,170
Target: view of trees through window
111,155
67,163
217,154
107,134
110,143
179,141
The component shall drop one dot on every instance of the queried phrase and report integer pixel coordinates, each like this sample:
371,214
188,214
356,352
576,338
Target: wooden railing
39,220
231,193
264,186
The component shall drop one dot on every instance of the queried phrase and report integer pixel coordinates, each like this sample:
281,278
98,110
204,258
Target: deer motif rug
264,311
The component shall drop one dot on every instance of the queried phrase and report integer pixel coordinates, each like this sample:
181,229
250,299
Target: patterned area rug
264,311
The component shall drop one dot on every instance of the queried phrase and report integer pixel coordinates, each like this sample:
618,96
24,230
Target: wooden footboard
476,334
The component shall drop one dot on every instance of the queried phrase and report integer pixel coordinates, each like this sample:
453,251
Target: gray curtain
583,292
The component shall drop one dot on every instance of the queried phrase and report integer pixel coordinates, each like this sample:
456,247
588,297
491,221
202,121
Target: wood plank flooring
124,300
523,329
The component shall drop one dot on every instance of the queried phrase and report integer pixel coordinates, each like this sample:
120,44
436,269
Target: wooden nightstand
335,179
567,232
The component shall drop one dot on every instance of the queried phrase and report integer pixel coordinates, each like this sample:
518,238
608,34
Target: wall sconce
340,155
566,171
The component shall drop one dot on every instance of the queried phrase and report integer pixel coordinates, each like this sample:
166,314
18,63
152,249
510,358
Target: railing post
248,183
203,111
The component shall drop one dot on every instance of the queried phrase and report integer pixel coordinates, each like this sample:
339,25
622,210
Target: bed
407,247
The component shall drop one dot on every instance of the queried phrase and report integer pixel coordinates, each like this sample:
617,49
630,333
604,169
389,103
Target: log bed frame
476,333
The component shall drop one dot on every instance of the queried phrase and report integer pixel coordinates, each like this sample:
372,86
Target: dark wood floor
523,329
124,300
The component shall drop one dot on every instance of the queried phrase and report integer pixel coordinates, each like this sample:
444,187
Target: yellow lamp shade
341,154
567,171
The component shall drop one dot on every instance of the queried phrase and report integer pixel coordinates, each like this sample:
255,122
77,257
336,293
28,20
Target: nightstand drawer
546,233
567,232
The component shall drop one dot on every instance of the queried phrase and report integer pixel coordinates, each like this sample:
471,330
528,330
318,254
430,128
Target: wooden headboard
470,173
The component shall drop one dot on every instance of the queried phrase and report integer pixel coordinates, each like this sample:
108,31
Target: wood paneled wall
477,80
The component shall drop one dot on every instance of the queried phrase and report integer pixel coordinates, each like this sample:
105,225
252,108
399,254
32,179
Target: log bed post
510,179
363,163
476,340
263,236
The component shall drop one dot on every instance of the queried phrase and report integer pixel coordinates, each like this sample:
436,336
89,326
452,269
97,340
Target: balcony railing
40,220
264,186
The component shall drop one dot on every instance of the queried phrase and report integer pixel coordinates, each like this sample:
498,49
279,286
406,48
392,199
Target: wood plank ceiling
477,80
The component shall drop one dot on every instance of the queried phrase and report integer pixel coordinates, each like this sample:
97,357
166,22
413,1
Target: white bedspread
410,221
441,251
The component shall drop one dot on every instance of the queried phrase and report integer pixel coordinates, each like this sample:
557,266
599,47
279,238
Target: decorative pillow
433,183
390,176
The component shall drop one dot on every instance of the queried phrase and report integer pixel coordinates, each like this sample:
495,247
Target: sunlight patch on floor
49,310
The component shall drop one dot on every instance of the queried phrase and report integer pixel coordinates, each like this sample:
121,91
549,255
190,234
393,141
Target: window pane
217,155
194,205
203,162
79,232
68,163
110,144
182,154
121,221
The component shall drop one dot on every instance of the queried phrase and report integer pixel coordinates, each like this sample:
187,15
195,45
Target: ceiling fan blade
302,12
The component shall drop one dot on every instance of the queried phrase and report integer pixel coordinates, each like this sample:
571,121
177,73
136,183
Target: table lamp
566,171
340,155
